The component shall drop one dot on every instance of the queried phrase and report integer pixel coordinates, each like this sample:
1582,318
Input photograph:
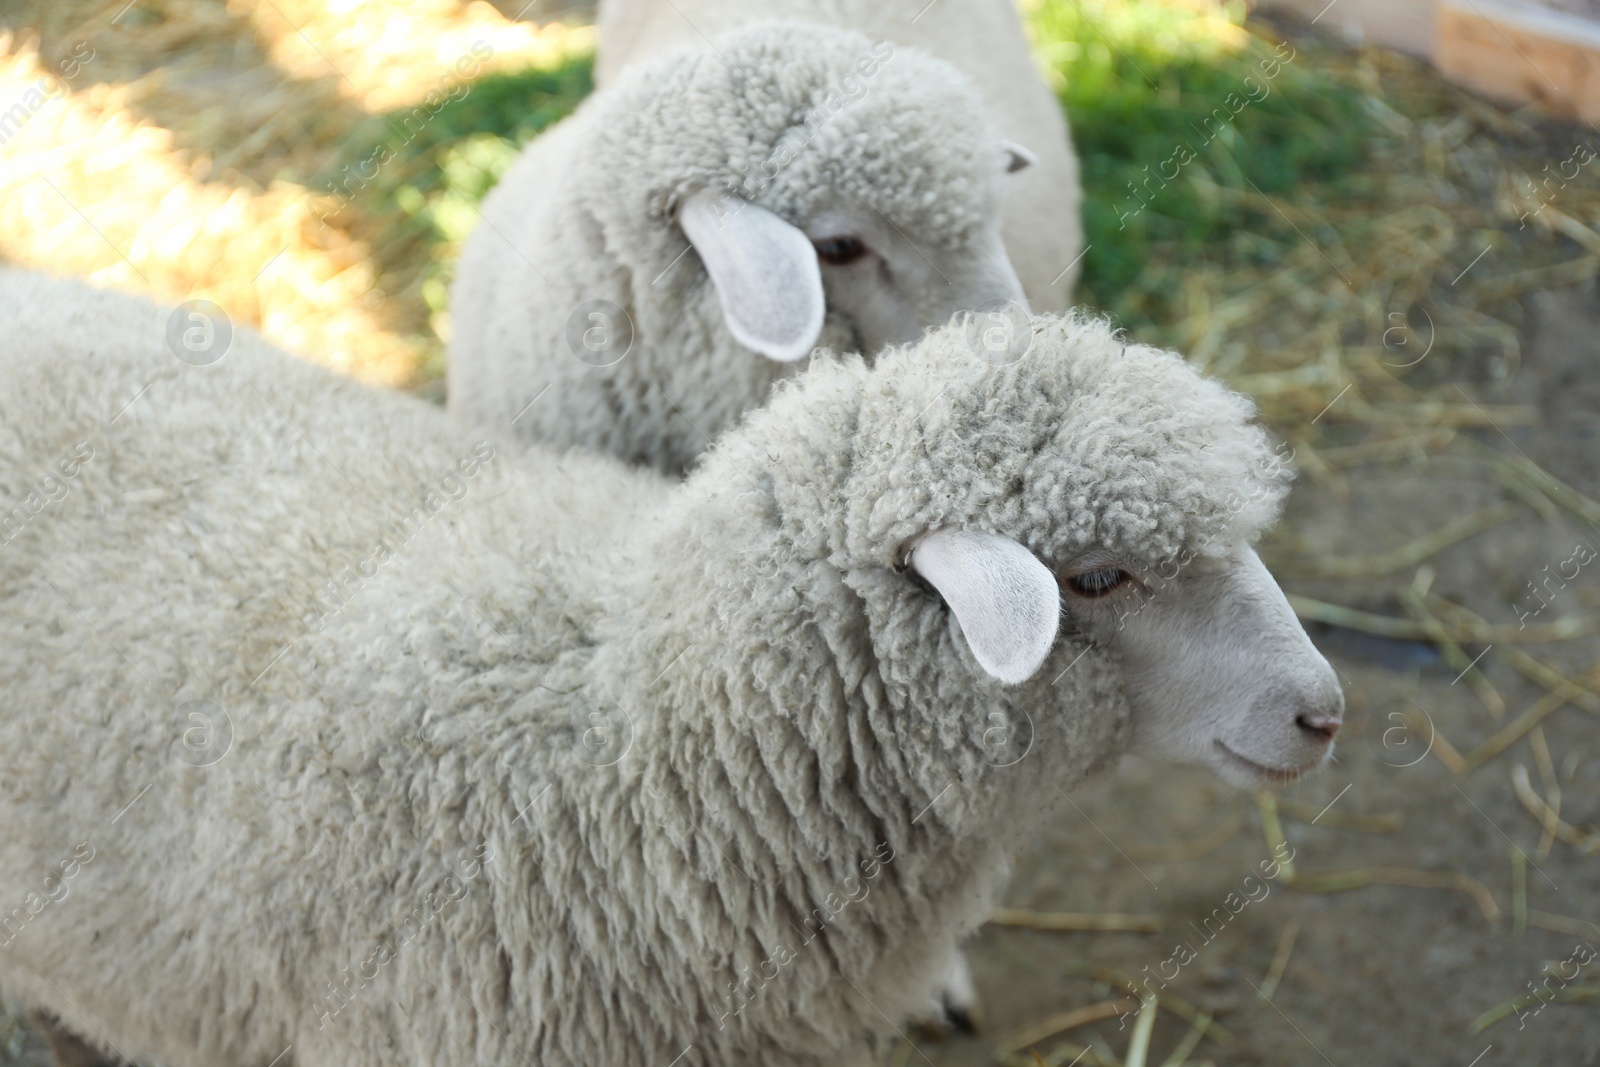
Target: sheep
335,733
985,40
829,189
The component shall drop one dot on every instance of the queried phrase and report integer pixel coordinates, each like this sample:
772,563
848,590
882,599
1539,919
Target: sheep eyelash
1120,578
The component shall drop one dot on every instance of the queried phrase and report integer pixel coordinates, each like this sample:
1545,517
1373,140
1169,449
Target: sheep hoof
944,1019
953,1008
963,1018
67,1049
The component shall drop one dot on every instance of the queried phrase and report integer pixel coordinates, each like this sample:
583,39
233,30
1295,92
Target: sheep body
387,749
580,314
1043,231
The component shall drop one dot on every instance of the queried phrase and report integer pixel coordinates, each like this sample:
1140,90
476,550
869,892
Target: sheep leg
67,1048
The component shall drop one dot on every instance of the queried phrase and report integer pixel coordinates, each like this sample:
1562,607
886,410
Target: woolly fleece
549,761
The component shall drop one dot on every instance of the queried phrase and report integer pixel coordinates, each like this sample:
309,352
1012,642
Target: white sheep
645,271
984,38
334,735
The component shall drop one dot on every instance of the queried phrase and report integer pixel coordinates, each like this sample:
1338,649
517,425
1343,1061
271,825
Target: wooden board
1406,25
1521,54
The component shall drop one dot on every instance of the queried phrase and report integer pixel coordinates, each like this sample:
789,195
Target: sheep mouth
1260,771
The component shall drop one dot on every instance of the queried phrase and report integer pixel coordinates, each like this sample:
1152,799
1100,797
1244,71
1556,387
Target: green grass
424,199
461,149
469,144
1138,79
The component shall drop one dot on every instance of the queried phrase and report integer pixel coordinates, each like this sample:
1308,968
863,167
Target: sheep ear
1017,157
765,271
1005,600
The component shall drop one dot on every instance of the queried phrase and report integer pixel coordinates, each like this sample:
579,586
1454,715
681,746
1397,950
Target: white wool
331,728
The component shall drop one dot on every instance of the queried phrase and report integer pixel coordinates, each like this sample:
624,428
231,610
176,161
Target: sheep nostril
1322,727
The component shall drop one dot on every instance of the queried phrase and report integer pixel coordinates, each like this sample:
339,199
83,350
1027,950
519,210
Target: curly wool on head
786,113
1121,446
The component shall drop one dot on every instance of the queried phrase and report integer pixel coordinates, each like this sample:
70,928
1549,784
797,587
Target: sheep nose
1320,725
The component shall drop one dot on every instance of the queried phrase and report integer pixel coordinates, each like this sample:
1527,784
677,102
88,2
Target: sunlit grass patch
426,195
1299,218
88,188
1172,105
193,150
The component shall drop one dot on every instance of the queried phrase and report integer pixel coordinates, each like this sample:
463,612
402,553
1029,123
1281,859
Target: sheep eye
839,250
1097,583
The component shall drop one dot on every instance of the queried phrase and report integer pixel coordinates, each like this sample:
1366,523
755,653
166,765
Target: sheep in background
368,745
1042,229
664,255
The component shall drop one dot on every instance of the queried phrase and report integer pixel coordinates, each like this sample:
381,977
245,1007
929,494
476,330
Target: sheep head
804,163
1085,509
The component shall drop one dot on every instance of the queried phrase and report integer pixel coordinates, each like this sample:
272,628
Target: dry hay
185,156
